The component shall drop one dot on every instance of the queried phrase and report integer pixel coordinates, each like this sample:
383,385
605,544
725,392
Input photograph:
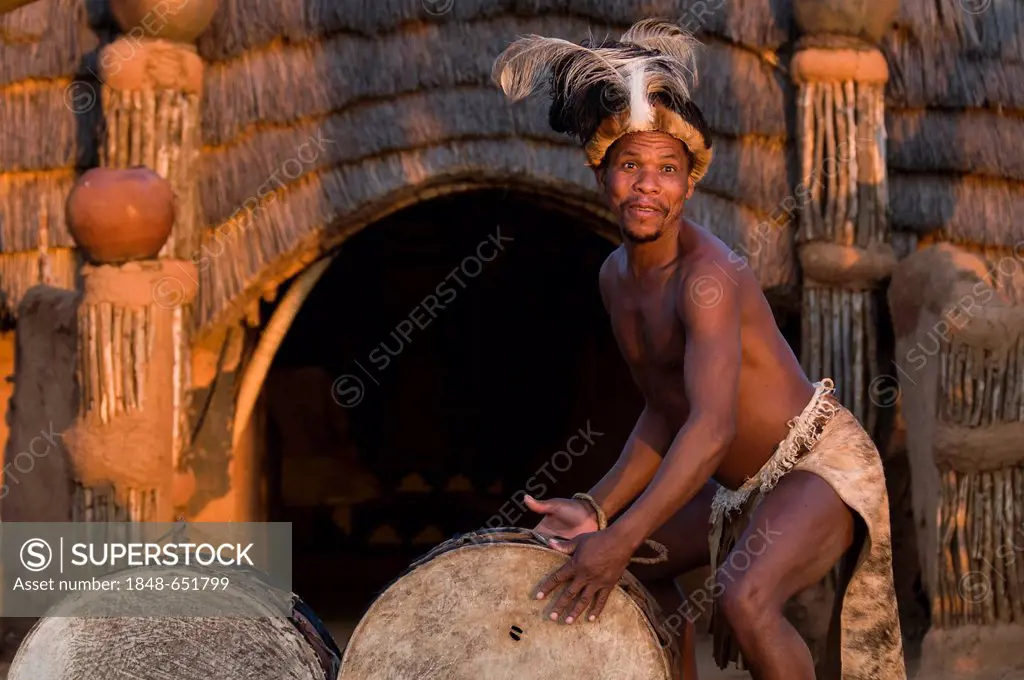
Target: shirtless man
734,443
721,385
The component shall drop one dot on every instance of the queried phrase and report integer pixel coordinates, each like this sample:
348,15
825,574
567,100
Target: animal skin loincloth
827,440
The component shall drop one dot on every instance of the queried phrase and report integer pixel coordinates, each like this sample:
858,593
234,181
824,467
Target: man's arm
636,466
711,373
646,445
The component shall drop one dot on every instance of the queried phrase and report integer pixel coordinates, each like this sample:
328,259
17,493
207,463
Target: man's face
646,180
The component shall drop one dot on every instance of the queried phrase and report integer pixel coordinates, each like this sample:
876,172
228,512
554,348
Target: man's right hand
563,517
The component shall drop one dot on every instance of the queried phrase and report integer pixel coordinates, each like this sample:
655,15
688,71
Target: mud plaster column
122,442
843,239
151,107
960,337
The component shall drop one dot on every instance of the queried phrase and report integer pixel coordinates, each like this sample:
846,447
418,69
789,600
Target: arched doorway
473,326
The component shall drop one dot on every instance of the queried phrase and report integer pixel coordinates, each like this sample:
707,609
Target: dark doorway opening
462,379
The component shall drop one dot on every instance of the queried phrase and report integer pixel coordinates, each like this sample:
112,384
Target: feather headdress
600,92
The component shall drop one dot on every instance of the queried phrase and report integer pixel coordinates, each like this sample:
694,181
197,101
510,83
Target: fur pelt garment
601,92
828,441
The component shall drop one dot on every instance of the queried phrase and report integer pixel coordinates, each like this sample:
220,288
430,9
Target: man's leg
685,536
797,534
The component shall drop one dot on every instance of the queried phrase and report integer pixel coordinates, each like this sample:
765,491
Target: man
734,441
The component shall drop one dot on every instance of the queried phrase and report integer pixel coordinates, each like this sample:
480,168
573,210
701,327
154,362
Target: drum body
467,611
83,638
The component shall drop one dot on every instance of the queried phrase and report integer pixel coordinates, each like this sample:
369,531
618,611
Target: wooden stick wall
980,519
115,347
841,136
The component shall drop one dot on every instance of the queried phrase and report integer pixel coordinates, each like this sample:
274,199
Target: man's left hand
598,561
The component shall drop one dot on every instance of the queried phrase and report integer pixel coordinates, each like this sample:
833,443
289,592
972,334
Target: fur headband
600,93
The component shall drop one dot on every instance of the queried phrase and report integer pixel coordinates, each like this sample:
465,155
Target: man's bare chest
650,336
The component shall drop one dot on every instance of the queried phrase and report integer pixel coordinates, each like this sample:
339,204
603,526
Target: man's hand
563,517
598,561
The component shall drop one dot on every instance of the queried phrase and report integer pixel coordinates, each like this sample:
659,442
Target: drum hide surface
471,614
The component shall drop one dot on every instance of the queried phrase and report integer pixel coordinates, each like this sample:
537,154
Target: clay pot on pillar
176,20
117,216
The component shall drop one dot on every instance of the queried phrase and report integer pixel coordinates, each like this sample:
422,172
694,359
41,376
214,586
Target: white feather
640,110
521,68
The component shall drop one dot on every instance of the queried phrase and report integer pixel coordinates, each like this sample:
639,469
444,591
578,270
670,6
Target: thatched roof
975,141
956,119
259,87
242,25
407,101
750,170
968,208
410,108
48,135
957,53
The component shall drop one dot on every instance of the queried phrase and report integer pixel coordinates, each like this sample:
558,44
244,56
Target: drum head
471,614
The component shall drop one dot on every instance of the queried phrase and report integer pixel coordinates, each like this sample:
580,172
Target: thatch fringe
241,25
46,39
749,170
31,203
978,387
241,258
981,28
929,76
743,96
973,141
970,209
20,271
41,131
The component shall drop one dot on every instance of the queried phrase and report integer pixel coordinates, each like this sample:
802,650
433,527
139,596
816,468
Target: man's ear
599,174
692,186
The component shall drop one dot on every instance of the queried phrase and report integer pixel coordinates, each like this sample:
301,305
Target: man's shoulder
612,265
608,277
612,262
705,285
703,262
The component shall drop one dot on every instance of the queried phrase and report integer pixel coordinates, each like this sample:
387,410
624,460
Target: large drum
466,611
82,638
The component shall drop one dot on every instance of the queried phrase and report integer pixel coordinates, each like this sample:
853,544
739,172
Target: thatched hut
288,127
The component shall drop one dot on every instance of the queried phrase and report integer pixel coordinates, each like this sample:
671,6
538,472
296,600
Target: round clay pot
120,215
175,20
869,19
